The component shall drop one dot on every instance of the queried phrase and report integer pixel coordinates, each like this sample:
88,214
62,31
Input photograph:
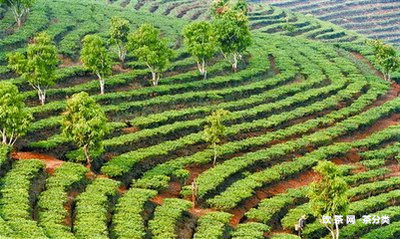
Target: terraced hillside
294,101
375,19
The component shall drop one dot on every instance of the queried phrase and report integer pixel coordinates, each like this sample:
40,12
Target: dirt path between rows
300,180
51,162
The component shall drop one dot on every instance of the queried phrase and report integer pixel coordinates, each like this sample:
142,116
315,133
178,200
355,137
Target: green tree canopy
200,41
220,7
20,9
84,123
233,35
119,35
329,196
386,58
38,64
215,129
96,58
148,46
14,116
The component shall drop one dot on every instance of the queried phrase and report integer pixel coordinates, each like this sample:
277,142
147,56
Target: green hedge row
161,171
213,225
250,230
244,188
359,228
167,217
52,201
4,158
358,208
389,231
92,209
128,221
125,162
15,204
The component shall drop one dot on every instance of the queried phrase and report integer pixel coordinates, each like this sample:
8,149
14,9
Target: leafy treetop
96,58
119,35
15,118
38,64
329,196
148,46
201,42
84,123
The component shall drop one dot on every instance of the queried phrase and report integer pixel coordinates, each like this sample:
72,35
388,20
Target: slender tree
96,58
19,8
201,43
215,129
119,35
38,64
328,198
84,123
14,116
233,35
386,58
147,45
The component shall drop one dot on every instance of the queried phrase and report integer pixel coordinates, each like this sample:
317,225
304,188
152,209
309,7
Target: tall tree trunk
215,154
202,68
101,80
87,155
19,22
194,193
42,96
155,78
3,133
122,54
337,231
235,62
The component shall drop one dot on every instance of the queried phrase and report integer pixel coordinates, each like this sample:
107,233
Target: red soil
119,69
300,180
51,162
201,211
173,191
66,61
377,126
68,207
195,171
395,170
130,130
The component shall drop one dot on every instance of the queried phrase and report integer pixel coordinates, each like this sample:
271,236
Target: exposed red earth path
300,180
51,162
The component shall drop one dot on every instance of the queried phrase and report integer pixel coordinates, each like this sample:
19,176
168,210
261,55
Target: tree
147,45
329,196
14,116
385,57
221,7
84,123
215,129
200,42
95,57
119,35
19,8
38,64
233,35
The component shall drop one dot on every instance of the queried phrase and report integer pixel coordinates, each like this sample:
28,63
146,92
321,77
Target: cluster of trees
228,33
386,58
83,121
